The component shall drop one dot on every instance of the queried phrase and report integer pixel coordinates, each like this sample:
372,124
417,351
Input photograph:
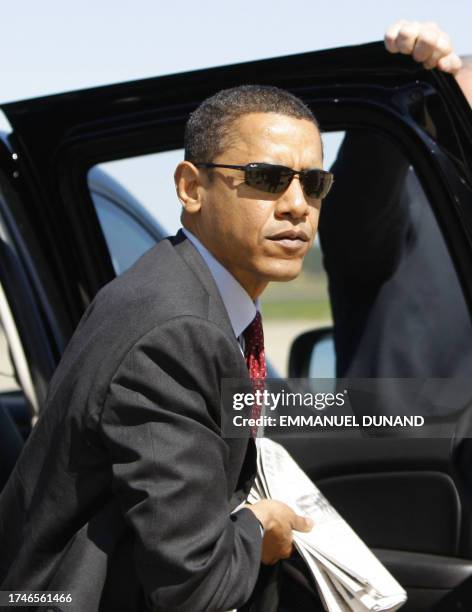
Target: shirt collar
239,305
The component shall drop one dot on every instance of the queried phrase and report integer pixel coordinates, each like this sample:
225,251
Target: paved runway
279,335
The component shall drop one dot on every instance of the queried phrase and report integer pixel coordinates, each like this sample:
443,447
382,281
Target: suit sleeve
161,425
364,220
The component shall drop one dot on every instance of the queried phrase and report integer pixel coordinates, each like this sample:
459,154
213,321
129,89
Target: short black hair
210,124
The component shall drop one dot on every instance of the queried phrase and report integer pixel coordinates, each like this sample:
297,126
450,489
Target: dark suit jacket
398,307
123,493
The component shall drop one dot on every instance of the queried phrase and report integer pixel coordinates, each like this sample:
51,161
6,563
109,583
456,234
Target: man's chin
284,273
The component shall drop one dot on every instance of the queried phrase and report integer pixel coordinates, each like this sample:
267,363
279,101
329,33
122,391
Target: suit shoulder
159,285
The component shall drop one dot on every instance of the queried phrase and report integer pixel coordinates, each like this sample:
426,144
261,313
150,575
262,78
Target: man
125,494
397,303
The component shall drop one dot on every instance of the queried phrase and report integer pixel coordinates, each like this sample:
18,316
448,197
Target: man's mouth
290,239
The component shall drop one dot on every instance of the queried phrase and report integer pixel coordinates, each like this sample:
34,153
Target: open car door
407,498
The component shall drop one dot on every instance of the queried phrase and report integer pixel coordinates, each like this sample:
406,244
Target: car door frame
57,139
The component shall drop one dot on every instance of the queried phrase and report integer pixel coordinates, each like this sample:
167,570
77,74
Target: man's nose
293,201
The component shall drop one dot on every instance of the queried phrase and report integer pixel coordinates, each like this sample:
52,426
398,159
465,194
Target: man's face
260,237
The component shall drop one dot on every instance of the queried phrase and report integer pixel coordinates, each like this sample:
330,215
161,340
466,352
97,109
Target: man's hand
425,42
278,521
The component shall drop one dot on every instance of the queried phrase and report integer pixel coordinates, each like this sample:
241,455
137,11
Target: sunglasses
272,178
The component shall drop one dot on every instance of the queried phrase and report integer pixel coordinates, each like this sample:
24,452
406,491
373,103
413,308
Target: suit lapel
219,315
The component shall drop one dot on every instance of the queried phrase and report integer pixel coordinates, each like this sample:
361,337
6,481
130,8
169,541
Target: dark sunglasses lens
317,183
271,179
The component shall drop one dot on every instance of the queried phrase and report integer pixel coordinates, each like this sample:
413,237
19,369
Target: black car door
409,498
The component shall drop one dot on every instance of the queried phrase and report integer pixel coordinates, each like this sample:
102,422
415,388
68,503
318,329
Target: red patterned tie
256,363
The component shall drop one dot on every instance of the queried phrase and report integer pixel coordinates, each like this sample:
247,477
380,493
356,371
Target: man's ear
189,187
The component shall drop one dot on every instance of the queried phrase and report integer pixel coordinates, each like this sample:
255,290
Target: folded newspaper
347,574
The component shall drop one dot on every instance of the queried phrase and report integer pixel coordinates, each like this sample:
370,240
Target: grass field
296,309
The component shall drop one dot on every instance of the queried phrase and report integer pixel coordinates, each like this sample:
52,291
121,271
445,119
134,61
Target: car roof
103,184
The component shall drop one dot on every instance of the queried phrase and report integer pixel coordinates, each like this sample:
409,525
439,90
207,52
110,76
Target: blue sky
54,46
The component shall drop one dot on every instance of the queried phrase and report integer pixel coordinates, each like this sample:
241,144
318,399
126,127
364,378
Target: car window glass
126,238
150,179
374,270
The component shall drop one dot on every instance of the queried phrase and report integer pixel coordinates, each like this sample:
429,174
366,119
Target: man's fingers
301,523
406,37
443,48
451,63
287,552
425,44
390,37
